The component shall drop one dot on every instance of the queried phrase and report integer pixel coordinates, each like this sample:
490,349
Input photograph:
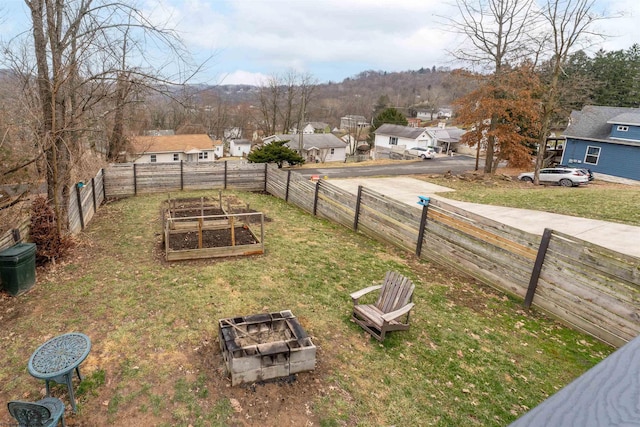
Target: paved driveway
618,237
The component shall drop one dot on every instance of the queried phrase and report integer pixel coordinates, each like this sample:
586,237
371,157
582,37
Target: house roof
318,125
630,118
399,131
594,122
315,140
241,141
193,143
449,134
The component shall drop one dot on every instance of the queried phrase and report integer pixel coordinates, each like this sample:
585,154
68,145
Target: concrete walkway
618,237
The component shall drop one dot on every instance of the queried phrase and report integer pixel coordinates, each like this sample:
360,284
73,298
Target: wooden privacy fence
129,179
84,200
86,197
590,288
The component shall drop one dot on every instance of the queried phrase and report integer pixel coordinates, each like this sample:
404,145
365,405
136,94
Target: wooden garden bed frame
226,221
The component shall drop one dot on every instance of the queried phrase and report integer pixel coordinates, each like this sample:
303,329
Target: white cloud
248,39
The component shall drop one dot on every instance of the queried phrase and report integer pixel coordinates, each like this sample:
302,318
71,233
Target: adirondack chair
394,302
46,412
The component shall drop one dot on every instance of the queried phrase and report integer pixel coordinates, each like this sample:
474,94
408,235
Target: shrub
50,245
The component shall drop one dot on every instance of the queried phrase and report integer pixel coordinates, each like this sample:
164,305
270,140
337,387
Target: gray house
316,147
605,140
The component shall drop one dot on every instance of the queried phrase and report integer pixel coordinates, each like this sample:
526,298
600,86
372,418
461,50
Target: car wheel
566,182
423,157
526,179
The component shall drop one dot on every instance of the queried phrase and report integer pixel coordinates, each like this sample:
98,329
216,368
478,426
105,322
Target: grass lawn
599,200
472,356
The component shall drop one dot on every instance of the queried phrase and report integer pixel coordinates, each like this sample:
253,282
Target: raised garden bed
202,228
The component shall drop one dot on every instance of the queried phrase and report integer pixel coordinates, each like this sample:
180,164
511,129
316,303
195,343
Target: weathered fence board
8,238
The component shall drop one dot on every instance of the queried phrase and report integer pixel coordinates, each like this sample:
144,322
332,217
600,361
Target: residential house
392,137
431,114
315,127
174,148
414,122
444,113
353,121
446,139
358,143
239,147
318,147
605,140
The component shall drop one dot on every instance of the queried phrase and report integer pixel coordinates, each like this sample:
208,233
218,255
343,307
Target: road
456,164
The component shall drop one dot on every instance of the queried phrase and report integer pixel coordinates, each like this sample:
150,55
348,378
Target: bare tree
497,30
71,43
283,101
567,23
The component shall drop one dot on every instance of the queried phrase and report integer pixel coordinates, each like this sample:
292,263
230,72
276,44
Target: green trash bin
18,268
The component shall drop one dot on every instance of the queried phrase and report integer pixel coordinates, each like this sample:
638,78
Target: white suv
566,177
424,153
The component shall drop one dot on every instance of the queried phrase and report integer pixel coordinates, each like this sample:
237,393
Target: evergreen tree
389,115
275,152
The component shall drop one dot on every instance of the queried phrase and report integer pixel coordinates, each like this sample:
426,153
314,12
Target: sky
246,41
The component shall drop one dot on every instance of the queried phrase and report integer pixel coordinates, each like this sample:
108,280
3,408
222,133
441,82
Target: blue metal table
56,359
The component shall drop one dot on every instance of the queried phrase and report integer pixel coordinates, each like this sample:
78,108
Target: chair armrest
359,294
399,312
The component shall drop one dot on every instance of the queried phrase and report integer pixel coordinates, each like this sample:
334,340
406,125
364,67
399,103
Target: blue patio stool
43,413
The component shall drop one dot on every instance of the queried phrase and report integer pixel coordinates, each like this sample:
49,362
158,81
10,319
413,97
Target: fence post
79,200
93,194
424,201
315,198
286,194
181,175
265,177
104,186
135,181
225,174
537,267
357,213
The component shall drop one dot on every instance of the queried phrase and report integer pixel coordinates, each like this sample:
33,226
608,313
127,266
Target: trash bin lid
18,252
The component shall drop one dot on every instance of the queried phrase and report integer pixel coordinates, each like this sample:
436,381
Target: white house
353,121
174,148
239,147
317,147
391,137
312,127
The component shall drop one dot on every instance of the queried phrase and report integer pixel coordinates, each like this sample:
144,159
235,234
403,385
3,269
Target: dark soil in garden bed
206,211
210,239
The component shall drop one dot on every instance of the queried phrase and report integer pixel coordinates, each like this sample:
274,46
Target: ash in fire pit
265,346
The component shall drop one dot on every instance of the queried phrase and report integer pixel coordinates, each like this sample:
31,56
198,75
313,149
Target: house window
393,140
203,155
592,156
623,128
333,150
153,158
176,157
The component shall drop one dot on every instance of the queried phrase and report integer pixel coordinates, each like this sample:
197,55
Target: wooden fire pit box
265,346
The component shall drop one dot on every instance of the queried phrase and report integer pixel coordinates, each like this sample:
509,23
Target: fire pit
265,346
